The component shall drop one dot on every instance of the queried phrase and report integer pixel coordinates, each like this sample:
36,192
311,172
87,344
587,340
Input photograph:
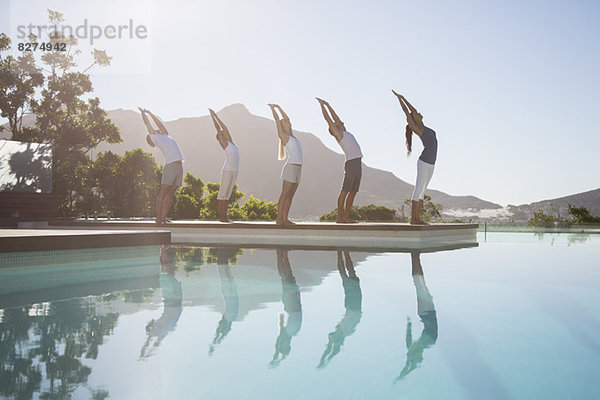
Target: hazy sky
511,87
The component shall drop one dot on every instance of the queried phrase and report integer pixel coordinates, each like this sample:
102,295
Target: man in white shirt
172,176
352,166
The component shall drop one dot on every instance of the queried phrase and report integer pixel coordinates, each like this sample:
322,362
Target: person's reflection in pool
290,297
353,304
171,291
229,291
426,311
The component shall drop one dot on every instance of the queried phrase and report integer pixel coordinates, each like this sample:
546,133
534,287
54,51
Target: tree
542,220
123,186
71,124
430,212
370,212
210,208
256,210
582,215
189,198
19,79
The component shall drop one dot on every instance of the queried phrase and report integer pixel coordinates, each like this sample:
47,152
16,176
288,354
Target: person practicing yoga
290,174
352,166
230,168
172,175
426,162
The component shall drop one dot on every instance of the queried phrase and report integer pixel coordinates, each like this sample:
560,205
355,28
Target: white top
350,146
293,149
168,146
232,160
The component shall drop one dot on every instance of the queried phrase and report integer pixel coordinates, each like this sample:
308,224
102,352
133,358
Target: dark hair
409,133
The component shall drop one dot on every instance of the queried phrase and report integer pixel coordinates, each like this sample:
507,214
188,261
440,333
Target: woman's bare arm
161,127
151,130
333,129
283,114
404,108
280,132
224,129
215,120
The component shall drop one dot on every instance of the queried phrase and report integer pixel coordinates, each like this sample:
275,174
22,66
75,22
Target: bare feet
288,222
158,221
350,221
225,220
418,222
279,222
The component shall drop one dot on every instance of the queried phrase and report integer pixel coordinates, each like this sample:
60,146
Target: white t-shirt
294,151
350,146
232,160
168,146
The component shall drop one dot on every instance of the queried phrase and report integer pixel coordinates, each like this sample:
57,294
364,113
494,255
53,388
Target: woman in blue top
426,162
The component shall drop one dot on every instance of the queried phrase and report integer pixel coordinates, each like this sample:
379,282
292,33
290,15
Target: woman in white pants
288,145
230,168
426,162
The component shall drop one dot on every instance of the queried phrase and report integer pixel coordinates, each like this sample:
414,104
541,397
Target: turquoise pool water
516,318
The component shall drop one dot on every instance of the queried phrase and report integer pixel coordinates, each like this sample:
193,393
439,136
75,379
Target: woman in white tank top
230,168
288,145
352,166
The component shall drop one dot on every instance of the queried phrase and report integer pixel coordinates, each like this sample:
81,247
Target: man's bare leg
349,202
164,189
340,213
223,211
168,200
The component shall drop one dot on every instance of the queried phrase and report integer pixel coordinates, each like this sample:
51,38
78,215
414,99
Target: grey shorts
352,175
291,173
172,174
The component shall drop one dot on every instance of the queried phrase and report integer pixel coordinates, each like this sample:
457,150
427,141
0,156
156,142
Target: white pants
424,173
227,182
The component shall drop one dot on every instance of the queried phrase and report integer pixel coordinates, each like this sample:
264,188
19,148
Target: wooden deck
331,235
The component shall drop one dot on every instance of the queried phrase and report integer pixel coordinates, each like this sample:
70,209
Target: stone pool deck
311,235
17,240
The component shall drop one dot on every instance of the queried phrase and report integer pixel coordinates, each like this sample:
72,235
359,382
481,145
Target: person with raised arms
172,175
292,170
352,166
229,171
426,162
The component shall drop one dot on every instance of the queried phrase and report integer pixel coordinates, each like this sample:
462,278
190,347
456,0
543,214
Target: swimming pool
515,318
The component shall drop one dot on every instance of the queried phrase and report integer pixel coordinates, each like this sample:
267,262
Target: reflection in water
229,291
426,312
353,304
172,294
290,297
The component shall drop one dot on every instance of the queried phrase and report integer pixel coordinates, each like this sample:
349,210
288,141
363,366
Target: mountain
589,200
260,170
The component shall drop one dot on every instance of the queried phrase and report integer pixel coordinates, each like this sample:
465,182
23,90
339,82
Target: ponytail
409,133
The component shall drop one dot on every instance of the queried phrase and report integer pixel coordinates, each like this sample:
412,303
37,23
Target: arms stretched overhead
283,124
413,117
223,135
336,126
149,127
161,127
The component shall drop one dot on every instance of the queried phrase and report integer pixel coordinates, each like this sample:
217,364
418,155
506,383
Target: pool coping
392,236
19,240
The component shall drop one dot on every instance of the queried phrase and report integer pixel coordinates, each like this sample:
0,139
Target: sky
510,87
